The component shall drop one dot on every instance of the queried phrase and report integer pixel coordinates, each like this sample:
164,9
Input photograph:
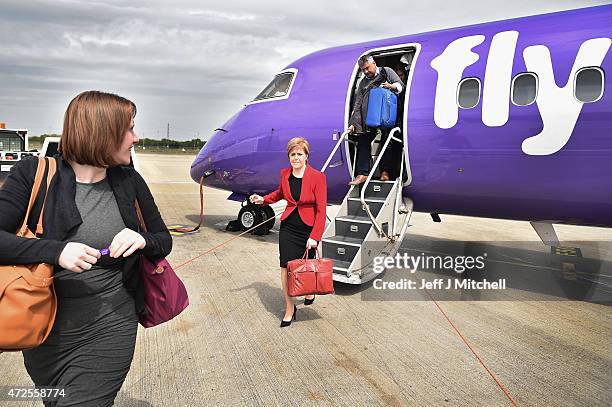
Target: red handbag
310,276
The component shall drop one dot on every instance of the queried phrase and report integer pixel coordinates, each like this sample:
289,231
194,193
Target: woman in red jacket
303,222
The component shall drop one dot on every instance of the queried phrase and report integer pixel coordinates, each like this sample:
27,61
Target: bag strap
50,175
384,74
317,255
139,214
42,164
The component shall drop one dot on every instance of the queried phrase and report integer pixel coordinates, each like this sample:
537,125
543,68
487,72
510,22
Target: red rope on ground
222,244
501,386
199,224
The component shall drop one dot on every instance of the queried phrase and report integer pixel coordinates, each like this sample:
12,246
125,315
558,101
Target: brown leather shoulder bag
27,299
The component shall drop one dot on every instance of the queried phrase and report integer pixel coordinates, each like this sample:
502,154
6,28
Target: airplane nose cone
202,163
207,159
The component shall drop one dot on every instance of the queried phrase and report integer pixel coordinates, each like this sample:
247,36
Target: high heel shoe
293,317
309,301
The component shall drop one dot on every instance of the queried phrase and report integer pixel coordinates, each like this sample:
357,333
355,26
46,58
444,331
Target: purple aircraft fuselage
549,161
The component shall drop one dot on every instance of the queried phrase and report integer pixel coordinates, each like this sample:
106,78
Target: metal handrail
331,155
365,185
340,139
398,193
354,158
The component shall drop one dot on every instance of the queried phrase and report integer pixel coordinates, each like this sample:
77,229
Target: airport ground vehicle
13,147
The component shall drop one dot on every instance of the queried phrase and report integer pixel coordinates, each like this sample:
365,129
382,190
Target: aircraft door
400,59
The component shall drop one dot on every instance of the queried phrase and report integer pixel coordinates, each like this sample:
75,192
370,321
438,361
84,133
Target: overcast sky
194,63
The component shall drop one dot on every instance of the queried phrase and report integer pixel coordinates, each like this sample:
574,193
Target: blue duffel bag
382,108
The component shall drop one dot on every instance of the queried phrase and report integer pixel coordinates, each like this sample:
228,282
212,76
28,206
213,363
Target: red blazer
313,199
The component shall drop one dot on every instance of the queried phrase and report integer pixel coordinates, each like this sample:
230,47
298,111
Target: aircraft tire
265,228
270,214
249,216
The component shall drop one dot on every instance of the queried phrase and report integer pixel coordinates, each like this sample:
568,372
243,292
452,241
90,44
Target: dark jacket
61,217
362,95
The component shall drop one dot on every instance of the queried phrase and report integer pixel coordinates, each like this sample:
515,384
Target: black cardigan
61,216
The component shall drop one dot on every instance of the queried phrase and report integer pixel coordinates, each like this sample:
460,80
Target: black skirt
90,348
292,239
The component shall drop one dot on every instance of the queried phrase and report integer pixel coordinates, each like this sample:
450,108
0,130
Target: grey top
101,222
360,107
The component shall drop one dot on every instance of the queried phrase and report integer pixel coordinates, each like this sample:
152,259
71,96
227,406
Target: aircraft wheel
249,216
265,228
270,214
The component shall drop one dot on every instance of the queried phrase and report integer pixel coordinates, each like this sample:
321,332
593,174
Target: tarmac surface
361,347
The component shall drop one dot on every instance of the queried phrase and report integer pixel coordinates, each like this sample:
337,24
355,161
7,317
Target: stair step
350,241
352,218
379,189
381,200
377,181
340,248
350,228
355,208
342,266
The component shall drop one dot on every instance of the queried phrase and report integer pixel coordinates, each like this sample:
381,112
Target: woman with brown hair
304,189
90,206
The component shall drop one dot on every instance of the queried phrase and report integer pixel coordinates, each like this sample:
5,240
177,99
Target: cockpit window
279,87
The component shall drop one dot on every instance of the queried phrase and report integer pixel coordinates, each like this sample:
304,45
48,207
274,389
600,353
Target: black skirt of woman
292,239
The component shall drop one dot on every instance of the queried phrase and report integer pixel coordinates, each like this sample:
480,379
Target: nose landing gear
252,215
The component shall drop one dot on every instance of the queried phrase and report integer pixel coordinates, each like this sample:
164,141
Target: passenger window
468,94
279,86
589,85
524,89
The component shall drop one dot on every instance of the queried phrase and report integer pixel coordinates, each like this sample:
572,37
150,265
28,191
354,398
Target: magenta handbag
165,295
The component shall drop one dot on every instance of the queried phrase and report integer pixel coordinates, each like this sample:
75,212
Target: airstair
371,221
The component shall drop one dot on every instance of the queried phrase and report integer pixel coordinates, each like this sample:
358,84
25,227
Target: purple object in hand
165,294
105,252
